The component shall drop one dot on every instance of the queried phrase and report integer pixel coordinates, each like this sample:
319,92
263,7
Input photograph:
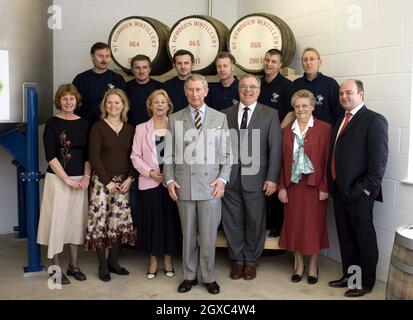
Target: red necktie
333,161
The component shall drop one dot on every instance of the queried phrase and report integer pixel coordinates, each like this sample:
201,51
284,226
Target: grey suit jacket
194,161
260,155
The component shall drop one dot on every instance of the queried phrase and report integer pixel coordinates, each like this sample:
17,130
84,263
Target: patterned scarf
302,164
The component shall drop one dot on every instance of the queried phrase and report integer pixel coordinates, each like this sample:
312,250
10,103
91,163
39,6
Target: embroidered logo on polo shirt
111,86
275,97
320,100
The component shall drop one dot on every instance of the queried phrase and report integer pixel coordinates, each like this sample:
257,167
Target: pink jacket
143,154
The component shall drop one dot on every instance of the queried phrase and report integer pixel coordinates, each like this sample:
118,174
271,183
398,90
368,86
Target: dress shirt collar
356,109
202,109
296,128
251,107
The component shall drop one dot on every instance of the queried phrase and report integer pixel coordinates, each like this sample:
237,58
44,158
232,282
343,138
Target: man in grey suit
197,167
254,176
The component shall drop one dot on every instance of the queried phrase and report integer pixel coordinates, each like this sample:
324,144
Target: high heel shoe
297,277
169,274
152,275
312,279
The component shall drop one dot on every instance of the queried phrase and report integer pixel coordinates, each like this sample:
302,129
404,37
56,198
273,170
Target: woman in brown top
110,222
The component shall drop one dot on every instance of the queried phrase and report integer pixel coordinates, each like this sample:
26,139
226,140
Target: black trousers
275,213
357,236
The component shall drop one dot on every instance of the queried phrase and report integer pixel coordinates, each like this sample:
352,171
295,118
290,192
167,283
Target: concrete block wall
89,21
371,40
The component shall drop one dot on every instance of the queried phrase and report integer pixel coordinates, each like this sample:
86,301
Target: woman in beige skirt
63,213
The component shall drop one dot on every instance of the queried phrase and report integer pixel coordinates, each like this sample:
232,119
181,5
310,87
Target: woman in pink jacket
158,225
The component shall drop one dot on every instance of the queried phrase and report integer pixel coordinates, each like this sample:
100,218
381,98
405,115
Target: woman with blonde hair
110,222
159,230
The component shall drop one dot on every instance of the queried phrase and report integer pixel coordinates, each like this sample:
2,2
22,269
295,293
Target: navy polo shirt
220,97
175,89
325,90
92,87
137,95
277,94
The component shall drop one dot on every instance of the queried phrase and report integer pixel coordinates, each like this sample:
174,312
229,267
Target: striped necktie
198,121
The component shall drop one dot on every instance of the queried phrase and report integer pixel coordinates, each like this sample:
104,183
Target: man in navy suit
357,164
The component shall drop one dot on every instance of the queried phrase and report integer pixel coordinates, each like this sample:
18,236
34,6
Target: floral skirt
109,219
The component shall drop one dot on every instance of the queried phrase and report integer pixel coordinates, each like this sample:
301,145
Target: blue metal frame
21,203
24,147
32,178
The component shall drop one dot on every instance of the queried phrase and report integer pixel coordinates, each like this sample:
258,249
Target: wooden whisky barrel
204,36
140,35
253,35
400,277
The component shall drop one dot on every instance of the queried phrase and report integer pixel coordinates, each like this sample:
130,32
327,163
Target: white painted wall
86,22
380,53
24,33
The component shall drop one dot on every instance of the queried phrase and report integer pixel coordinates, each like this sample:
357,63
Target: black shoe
122,271
354,293
296,277
76,273
105,277
64,280
186,285
340,283
312,279
213,287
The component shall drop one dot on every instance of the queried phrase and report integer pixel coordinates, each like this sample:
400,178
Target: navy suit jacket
361,156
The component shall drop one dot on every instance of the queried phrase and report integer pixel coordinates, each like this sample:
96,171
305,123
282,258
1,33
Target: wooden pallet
270,242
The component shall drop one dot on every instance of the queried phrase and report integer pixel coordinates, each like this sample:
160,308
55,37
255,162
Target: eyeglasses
245,87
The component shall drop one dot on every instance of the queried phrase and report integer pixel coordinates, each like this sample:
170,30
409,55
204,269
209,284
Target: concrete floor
272,282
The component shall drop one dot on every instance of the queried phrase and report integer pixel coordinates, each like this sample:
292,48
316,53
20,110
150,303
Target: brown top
109,153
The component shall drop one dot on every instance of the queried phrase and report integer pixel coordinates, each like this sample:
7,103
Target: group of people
160,165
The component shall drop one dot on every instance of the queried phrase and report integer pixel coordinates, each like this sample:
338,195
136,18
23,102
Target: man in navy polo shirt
93,84
276,92
183,61
325,89
224,93
140,88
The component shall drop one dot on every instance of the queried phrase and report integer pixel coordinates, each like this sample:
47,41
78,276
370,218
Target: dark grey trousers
244,219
